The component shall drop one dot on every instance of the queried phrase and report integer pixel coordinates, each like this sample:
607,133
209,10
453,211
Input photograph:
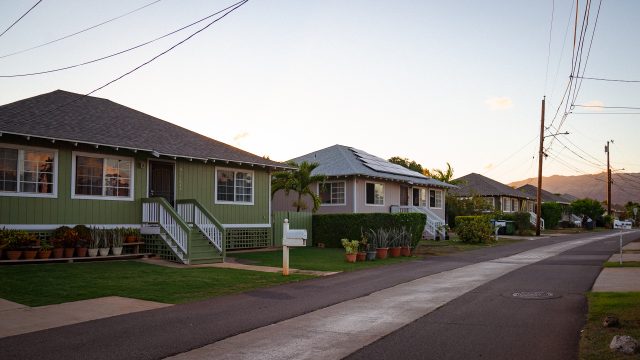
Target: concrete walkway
20,319
339,330
621,279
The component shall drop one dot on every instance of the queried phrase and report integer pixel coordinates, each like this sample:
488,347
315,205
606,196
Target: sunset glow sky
433,81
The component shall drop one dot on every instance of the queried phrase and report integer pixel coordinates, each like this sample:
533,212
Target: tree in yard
628,207
551,213
404,162
445,176
299,181
587,207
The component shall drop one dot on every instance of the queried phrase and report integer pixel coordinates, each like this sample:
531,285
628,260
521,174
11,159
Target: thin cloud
499,103
488,166
240,136
595,105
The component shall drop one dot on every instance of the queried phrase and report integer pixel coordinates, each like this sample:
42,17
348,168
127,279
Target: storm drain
533,295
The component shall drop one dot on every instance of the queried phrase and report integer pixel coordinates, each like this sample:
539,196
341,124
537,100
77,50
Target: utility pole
606,149
540,155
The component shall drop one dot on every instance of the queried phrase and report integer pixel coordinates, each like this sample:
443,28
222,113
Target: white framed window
374,194
332,193
28,171
435,199
422,201
102,177
490,201
506,204
514,205
532,206
234,186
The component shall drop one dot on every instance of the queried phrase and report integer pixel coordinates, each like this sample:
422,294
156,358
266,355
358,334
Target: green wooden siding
297,220
193,180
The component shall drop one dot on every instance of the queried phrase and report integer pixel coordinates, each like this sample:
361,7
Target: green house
68,159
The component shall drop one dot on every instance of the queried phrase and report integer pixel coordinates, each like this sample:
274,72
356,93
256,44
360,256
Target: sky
432,81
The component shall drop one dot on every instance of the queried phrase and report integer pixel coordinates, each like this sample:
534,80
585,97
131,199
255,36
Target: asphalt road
490,323
468,320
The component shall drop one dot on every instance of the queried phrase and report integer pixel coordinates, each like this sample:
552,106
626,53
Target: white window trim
492,203
333,182
131,196
17,193
215,186
383,193
441,199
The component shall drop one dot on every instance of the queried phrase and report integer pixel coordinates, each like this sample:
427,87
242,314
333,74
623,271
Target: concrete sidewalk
621,279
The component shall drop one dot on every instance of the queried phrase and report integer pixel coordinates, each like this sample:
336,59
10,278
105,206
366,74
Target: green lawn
453,245
615,264
595,340
43,284
311,258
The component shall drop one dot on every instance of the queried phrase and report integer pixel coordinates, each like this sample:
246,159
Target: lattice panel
248,238
155,245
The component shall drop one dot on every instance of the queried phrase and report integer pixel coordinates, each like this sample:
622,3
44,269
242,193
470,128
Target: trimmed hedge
474,229
330,228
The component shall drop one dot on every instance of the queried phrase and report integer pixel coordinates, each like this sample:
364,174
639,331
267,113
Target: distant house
66,159
546,196
497,195
358,182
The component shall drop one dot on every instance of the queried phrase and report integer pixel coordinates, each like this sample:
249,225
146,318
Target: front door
404,196
161,180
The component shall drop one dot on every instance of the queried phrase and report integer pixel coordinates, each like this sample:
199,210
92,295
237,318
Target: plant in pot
84,237
94,243
116,242
362,249
351,249
45,249
405,241
394,242
13,246
372,238
105,242
3,240
382,242
58,247
29,244
69,241
132,235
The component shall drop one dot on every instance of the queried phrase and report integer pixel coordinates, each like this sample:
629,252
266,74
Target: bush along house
68,159
358,182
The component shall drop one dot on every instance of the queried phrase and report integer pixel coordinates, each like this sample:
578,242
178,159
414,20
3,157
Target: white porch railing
176,231
434,225
194,213
532,219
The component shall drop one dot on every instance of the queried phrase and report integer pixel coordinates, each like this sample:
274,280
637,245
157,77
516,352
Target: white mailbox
291,237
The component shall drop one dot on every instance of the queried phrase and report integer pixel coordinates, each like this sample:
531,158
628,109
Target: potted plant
116,242
58,248
13,246
106,236
132,235
45,249
84,237
4,239
94,242
362,249
69,241
351,249
394,242
382,242
405,242
29,244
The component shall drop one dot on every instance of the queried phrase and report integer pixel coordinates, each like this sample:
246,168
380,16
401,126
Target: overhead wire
546,75
607,79
122,51
79,32
20,18
58,107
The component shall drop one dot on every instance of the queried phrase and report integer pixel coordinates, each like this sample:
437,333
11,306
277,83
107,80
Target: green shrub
330,228
523,222
474,229
551,212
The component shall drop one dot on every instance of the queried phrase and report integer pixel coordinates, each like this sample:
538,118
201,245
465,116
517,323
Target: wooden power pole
606,149
540,155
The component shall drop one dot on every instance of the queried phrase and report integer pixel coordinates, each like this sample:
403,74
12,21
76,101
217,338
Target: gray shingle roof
340,160
476,184
100,121
532,192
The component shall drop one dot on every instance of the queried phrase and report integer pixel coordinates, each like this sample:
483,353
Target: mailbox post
293,238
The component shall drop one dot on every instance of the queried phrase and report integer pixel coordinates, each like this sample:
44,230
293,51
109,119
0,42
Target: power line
79,32
546,75
20,18
234,7
608,107
605,113
122,51
606,79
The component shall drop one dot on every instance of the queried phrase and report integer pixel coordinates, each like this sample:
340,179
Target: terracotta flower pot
381,253
350,257
131,239
81,252
361,256
57,253
44,254
406,251
29,254
395,251
68,252
14,254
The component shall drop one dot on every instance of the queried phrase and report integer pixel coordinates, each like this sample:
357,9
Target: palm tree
445,176
299,181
